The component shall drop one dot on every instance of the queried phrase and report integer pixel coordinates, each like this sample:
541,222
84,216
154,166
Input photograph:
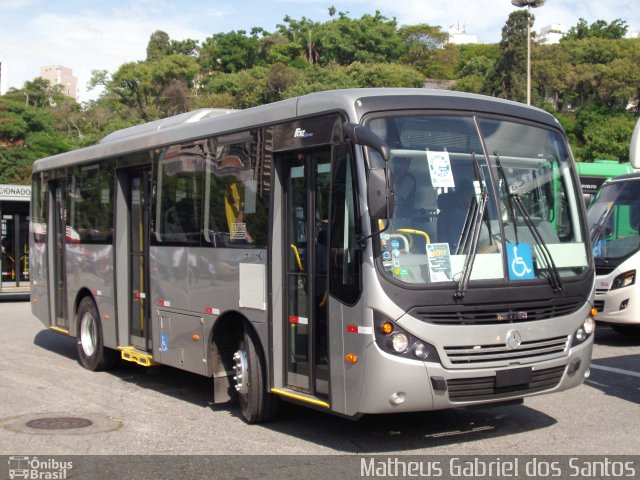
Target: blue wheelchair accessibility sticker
164,342
520,261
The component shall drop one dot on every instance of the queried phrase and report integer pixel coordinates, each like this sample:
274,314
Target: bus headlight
624,280
400,342
584,332
395,340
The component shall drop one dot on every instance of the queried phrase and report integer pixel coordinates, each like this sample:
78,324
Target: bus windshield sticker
440,169
520,261
439,259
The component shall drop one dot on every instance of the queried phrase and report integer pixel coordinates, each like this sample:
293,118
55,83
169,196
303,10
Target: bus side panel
39,272
90,267
169,278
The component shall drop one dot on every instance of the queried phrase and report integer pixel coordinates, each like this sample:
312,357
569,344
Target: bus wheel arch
92,354
240,368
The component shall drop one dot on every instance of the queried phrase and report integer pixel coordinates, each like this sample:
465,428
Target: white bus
272,250
614,222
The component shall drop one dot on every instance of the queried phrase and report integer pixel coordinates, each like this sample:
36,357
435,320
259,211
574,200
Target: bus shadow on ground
57,343
617,377
371,434
407,431
605,335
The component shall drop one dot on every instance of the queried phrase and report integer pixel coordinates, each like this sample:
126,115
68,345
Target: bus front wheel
92,353
256,404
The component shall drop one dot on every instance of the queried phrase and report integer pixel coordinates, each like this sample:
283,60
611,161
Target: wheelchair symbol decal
164,342
520,261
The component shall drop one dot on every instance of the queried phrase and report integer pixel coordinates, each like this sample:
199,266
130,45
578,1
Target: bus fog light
400,342
589,325
587,373
624,304
397,398
420,350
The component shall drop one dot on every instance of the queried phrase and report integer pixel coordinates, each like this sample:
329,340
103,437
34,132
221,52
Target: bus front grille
476,355
497,313
484,388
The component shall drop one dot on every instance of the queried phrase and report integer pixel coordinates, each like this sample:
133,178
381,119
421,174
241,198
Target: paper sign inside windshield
439,262
440,169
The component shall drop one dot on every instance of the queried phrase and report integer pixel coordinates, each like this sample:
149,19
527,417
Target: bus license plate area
513,377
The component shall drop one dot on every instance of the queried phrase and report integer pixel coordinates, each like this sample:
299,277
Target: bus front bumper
394,384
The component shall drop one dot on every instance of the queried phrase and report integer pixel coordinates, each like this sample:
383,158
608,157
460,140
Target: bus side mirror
634,151
379,194
361,135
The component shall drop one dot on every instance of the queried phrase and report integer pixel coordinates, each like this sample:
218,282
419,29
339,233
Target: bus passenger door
307,177
60,236
138,200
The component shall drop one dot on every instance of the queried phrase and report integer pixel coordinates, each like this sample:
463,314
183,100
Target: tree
615,30
229,52
152,89
158,45
421,43
509,76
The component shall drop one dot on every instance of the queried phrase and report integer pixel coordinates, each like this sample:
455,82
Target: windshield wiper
554,274
471,231
514,199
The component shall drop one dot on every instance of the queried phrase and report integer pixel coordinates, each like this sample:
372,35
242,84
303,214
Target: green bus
593,174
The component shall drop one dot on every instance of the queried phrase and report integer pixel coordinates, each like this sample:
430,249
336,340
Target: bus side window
179,194
344,256
235,210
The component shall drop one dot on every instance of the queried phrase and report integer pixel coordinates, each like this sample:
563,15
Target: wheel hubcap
241,370
88,334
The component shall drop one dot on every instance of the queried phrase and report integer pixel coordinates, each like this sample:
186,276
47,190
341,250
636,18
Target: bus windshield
483,198
614,221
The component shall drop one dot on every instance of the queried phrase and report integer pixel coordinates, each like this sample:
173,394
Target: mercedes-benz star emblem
513,339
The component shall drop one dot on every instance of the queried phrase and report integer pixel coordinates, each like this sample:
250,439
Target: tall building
550,34
459,36
59,75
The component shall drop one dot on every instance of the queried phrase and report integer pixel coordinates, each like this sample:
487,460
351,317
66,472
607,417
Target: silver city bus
357,251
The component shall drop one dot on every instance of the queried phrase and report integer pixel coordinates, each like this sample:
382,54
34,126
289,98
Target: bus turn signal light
351,358
594,311
386,328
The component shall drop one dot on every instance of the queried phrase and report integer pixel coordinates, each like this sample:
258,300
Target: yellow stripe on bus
302,398
59,330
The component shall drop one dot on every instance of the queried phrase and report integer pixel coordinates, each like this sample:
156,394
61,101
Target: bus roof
625,178
603,168
353,102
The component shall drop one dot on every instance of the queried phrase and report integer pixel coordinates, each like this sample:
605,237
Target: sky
92,35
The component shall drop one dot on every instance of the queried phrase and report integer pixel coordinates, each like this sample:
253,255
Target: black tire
256,404
92,354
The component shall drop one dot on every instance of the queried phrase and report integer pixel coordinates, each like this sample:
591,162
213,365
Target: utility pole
529,4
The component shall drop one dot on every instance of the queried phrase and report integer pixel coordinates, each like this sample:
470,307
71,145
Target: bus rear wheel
256,404
92,354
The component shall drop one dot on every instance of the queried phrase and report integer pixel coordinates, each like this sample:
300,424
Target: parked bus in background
262,248
614,222
14,238
593,174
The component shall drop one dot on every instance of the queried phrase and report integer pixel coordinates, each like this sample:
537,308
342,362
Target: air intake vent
484,388
498,313
479,354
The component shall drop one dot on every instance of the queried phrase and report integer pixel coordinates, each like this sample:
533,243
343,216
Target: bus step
132,354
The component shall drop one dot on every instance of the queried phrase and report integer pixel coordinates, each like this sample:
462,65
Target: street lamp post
529,4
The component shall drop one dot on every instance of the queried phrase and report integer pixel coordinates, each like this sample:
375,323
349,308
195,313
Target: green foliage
421,45
509,75
615,30
608,137
590,80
